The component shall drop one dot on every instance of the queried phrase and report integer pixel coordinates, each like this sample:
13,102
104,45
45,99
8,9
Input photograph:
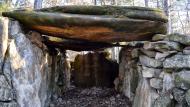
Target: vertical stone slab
128,73
3,39
145,96
29,66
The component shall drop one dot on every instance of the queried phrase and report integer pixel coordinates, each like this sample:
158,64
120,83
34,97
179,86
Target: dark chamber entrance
94,69
92,83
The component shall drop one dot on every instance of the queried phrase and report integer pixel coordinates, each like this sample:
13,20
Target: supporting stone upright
29,67
7,95
24,70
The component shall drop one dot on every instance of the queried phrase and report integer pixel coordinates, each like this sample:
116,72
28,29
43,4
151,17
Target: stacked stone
165,72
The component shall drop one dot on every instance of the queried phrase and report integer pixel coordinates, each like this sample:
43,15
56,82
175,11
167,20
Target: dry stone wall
158,73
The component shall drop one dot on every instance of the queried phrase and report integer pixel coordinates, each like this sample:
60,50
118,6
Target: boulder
182,79
162,56
163,46
149,53
181,38
150,62
156,83
186,50
177,61
158,37
168,82
150,72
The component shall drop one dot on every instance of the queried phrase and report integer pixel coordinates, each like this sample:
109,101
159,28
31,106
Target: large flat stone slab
105,24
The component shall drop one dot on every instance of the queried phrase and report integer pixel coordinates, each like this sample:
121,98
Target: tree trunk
38,4
158,4
166,8
146,3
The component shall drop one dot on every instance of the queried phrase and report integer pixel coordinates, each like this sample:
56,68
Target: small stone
161,75
182,79
162,56
177,61
158,37
150,72
183,39
156,83
162,46
149,53
168,82
187,97
150,62
186,50
179,95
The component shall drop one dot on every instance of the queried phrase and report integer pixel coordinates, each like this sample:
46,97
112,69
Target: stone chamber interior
87,80
153,69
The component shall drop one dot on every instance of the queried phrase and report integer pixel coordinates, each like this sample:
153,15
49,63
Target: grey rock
158,37
179,95
183,39
9,104
163,101
156,83
149,53
162,56
163,46
150,72
186,50
150,62
177,61
3,39
128,74
187,97
145,96
30,75
182,79
168,82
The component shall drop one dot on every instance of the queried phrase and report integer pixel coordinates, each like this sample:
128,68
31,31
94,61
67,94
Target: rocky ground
91,97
